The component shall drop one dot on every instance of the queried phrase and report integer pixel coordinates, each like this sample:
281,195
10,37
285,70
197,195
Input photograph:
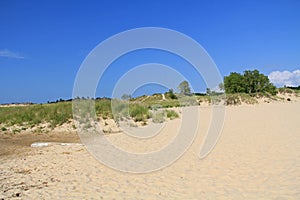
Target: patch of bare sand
257,157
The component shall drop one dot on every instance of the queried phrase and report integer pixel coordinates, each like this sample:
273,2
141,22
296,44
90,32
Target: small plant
155,107
16,130
232,99
3,129
172,114
188,101
158,117
139,112
248,99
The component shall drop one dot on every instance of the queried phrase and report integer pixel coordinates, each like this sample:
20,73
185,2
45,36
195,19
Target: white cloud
285,78
9,54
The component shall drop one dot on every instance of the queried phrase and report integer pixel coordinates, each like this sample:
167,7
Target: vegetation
171,114
251,82
171,94
290,90
239,98
158,116
55,114
239,88
184,88
139,112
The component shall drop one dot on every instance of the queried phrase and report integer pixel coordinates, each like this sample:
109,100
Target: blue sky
43,43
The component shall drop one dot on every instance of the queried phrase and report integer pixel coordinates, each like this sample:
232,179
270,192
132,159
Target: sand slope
257,157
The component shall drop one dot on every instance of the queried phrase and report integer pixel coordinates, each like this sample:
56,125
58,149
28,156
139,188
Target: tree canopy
250,82
184,88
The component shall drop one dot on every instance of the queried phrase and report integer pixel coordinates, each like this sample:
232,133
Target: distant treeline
294,88
68,100
249,82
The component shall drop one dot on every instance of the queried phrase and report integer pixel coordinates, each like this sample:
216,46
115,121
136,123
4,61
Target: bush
138,112
172,114
249,82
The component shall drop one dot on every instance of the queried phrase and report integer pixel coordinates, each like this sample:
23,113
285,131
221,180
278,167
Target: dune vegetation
236,91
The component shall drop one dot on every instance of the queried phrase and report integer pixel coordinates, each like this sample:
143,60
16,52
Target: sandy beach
256,157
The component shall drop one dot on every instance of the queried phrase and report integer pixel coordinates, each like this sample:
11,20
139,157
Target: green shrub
139,112
172,114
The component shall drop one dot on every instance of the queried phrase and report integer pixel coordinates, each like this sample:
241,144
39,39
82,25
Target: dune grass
56,114
139,109
30,115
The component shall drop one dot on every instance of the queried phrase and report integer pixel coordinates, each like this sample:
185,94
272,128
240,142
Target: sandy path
257,157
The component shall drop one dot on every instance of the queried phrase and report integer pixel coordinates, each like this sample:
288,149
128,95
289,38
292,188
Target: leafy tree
256,82
234,83
250,82
184,88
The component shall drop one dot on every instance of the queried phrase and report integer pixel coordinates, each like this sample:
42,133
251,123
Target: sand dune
256,157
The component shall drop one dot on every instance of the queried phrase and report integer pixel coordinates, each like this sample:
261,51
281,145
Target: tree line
250,82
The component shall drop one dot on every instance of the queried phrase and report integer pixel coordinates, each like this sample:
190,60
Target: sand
256,157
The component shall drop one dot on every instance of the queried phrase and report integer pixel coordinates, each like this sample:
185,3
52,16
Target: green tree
184,88
250,82
256,82
234,83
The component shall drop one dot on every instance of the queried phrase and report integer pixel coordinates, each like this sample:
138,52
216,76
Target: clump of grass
204,98
188,100
232,99
103,108
156,107
31,115
139,112
246,98
285,90
120,109
215,99
172,114
158,116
